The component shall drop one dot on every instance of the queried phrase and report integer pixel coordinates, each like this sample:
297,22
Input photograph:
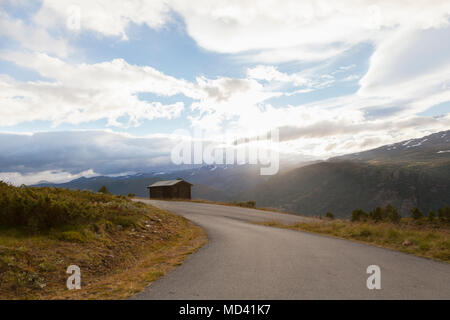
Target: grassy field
413,237
120,245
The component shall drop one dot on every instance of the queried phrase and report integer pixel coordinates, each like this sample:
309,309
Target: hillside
406,174
425,150
119,245
340,187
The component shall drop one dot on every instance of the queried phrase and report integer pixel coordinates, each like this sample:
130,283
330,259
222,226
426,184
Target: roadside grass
120,245
429,241
244,204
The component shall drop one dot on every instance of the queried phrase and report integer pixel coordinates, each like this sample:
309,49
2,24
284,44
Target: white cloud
410,69
108,17
55,176
229,103
31,37
265,31
81,93
73,152
302,30
270,73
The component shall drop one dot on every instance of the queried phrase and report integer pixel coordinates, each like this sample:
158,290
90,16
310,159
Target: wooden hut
170,189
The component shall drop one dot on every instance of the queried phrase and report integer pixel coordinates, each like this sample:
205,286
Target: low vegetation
245,204
103,189
421,235
120,245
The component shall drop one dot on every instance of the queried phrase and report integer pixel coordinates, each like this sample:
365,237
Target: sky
109,87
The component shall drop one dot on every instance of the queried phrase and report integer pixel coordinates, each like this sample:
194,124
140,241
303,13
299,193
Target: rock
119,227
406,243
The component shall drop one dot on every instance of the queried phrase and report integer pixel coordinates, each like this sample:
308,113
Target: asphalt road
247,261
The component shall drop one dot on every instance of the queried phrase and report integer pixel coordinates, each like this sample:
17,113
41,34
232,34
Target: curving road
247,261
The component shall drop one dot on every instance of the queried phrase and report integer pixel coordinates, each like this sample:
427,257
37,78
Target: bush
392,214
359,215
377,214
431,215
416,214
44,208
103,190
444,214
329,215
248,204
131,195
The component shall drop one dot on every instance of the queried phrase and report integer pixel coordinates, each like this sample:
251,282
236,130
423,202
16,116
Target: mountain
211,182
406,174
425,150
340,187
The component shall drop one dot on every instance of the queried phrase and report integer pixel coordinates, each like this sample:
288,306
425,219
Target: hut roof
167,183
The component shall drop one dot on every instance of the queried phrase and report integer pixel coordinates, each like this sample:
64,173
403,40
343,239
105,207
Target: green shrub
365,232
416,214
329,215
124,221
103,190
359,215
377,214
131,195
444,214
248,204
392,214
431,215
40,209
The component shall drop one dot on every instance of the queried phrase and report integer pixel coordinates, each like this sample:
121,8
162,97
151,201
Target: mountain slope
434,147
340,187
406,174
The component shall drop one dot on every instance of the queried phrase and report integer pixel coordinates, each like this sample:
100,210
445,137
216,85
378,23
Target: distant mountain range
406,174
426,150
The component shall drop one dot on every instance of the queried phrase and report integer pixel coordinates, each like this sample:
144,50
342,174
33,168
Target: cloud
88,92
81,93
265,31
301,30
271,73
55,176
31,37
107,17
74,152
324,129
413,66
229,103
409,73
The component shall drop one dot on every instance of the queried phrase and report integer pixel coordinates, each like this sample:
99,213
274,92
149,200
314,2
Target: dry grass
223,203
114,265
429,241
